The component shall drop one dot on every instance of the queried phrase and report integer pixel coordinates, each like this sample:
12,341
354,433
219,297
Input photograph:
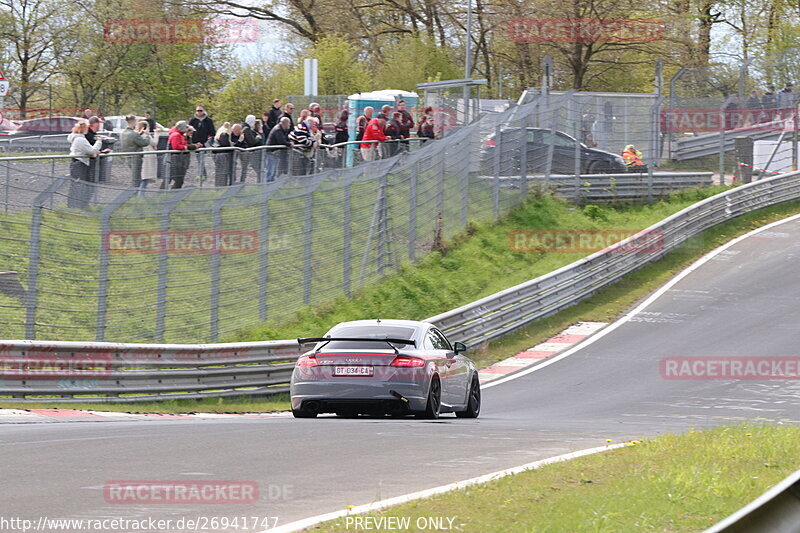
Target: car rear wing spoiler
309,340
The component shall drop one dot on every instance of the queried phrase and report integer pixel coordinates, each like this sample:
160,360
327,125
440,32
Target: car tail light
408,362
491,142
307,361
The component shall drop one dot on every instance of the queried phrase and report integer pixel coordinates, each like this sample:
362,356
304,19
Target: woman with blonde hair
81,151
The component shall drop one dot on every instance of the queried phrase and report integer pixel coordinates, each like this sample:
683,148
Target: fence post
308,228
346,237
412,212
102,285
498,144
216,260
31,295
523,159
163,263
264,259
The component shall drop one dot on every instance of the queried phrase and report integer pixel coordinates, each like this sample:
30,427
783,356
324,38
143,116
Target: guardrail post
346,238
412,212
31,296
163,263
102,286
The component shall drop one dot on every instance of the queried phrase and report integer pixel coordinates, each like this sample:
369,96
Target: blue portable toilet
376,99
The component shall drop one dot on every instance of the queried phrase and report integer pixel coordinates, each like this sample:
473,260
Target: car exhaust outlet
398,396
312,406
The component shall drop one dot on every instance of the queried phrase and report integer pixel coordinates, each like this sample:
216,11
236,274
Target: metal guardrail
775,511
114,372
609,187
709,144
117,372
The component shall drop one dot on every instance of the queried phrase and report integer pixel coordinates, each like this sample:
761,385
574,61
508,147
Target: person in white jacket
80,192
150,162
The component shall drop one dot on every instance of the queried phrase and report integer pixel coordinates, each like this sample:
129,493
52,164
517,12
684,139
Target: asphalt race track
743,302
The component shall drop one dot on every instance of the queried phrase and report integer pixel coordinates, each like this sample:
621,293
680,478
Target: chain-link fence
102,259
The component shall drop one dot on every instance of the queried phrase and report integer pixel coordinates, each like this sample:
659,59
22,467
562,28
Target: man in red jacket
374,132
179,163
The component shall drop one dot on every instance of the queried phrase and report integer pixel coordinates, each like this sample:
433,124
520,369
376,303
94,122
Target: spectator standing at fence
425,125
303,144
374,132
274,114
279,136
315,111
203,135
180,139
149,162
393,132
96,170
406,122
289,109
82,152
362,121
249,139
151,122
786,100
132,140
754,112
223,158
732,113
769,102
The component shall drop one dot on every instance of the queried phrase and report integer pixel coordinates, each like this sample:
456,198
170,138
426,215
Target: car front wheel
474,401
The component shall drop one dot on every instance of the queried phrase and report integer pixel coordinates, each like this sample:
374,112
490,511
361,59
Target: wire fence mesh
105,260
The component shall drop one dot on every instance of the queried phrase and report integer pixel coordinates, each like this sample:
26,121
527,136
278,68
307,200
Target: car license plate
352,371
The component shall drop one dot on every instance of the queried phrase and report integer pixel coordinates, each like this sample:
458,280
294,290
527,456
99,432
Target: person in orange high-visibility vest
632,157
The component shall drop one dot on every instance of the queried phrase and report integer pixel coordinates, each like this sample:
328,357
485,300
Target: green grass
476,263
672,483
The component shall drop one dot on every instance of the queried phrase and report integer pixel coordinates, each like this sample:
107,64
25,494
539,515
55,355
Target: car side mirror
459,347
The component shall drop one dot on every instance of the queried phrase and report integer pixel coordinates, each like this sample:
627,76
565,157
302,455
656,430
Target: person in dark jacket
406,123
279,136
203,134
289,109
249,140
394,132
274,114
425,125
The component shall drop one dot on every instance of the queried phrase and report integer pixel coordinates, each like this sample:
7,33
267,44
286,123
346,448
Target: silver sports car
385,367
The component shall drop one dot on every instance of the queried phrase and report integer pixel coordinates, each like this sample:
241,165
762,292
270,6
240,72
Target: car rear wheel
434,400
473,402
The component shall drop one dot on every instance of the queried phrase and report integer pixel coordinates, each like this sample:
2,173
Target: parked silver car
385,367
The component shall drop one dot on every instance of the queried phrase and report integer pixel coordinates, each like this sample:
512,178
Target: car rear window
369,332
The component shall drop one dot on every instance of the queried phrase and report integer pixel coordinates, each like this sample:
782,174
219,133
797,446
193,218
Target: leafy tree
416,59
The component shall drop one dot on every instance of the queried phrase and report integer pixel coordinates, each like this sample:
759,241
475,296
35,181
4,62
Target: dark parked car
538,142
